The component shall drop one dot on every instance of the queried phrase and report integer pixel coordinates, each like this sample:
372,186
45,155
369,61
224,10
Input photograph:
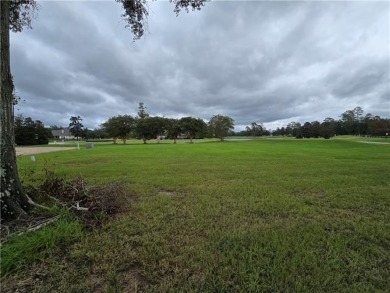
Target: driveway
39,150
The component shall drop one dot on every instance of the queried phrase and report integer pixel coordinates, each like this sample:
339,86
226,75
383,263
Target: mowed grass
270,215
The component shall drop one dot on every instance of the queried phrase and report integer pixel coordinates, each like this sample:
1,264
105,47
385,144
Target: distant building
62,134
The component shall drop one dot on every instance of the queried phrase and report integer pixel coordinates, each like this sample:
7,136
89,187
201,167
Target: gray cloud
270,62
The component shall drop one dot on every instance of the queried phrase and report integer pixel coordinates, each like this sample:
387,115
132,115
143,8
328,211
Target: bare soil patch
39,150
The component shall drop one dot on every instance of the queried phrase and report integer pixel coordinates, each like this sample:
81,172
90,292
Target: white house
62,134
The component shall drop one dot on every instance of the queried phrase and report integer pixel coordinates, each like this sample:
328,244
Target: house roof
61,132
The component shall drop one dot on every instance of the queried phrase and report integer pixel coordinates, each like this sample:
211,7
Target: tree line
351,122
146,127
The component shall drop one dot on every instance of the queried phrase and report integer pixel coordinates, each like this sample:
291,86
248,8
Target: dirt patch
39,150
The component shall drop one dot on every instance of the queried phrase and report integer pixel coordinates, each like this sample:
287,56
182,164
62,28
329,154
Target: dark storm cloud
270,62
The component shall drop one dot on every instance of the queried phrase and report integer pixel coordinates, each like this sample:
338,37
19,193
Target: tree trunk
14,202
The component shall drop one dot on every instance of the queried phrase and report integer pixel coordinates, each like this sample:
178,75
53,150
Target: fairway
266,215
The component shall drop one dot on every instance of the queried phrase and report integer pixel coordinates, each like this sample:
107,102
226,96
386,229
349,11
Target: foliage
76,127
220,125
21,14
173,128
136,12
327,128
98,134
255,129
351,122
149,127
29,132
193,127
142,114
119,127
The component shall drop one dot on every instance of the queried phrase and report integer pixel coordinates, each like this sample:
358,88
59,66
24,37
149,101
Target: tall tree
14,15
142,127
142,114
351,120
76,127
220,125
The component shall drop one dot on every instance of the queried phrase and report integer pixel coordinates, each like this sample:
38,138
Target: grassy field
268,215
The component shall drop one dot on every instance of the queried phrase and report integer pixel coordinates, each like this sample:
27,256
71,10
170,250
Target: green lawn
268,215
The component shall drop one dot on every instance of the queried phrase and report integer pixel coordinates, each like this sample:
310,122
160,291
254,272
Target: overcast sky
256,61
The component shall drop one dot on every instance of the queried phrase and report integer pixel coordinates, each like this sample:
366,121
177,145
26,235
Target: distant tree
142,129
173,129
24,131
294,129
377,126
315,129
203,130
98,133
119,127
255,129
220,125
351,121
241,133
29,132
266,132
348,123
327,129
191,126
76,127
279,131
158,127
149,128
89,133
307,130
142,114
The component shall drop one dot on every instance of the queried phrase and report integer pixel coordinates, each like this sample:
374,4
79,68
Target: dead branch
79,208
30,201
43,223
